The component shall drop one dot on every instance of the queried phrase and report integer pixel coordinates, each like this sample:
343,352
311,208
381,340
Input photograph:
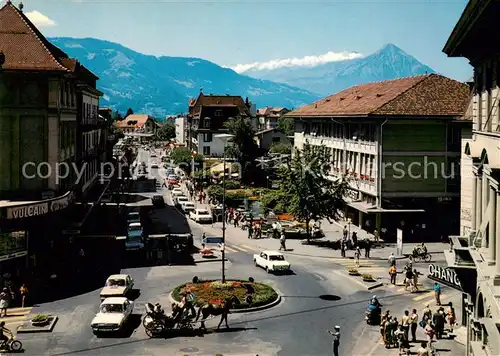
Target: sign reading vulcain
445,274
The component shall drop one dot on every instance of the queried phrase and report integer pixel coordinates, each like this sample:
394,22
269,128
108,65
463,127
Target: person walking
393,273
342,248
368,246
23,292
413,325
376,235
426,313
283,241
345,232
423,351
5,299
451,316
336,340
357,255
429,333
405,323
392,259
415,280
437,293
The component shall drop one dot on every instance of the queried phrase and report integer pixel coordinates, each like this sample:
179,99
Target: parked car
158,201
201,216
176,192
135,237
187,207
117,285
271,261
113,314
133,217
154,164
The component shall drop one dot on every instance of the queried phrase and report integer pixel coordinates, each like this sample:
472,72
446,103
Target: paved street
317,296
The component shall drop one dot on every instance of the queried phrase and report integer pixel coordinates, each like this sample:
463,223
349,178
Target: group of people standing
8,298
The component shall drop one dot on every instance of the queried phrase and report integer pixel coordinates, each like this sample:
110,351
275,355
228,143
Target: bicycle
422,256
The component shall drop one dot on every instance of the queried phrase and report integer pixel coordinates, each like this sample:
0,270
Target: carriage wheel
427,257
154,328
144,322
417,258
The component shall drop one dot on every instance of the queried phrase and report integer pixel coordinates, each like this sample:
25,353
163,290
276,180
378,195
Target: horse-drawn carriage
156,322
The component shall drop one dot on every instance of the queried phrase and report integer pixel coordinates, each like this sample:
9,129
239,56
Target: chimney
21,6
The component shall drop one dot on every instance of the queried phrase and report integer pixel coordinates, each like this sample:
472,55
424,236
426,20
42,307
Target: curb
241,311
206,260
342,258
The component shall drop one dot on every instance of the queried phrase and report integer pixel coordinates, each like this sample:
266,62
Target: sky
261,33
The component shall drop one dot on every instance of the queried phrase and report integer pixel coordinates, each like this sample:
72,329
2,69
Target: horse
217,309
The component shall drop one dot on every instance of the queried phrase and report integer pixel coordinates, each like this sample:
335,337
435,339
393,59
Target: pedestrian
345,232
250,230
413,325
439,319
376,235
409,279
283,241
393,273
5,299
354,239
392,259
383,322
415,280
405,323
429,333
336,340
451,316
368,246
23,292
357,255
437,293
422,351
342,248
426,313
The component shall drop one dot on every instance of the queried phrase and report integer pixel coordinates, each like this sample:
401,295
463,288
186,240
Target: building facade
401,154
181,129
476,37
39,148
206,118
268,117
266,138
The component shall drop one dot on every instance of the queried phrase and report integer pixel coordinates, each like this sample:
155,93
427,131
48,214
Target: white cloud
307,61
39,19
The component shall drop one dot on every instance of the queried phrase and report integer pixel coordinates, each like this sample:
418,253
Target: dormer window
206,122
218,113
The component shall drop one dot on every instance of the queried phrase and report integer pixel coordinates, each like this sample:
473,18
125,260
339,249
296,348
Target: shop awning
370,208
361,206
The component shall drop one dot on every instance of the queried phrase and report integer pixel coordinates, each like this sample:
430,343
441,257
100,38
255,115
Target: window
218,113
206,150
276,139
206,122
207,137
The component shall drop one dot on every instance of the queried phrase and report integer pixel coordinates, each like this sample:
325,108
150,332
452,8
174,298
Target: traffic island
252,296
38,324
364,279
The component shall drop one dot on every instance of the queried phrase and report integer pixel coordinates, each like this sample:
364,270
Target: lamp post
225,139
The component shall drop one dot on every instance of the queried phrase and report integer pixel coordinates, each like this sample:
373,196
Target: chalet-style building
206,118
141,123
399,141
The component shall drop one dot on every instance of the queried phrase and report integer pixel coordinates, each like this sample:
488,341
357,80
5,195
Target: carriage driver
186,304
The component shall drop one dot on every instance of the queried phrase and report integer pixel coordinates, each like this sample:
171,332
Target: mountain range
163,85
390,62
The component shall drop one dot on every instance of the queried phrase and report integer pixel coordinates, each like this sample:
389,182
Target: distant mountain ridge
162,86
390,62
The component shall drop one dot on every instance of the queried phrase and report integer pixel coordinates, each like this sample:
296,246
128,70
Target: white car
176,192
113,314
179,199
133,217
187,207
117,285
201,216
271,261
154,165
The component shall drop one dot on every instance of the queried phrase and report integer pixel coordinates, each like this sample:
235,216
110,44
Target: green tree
287,125
282,148
166,132
182,157
129,112
304,189
243,146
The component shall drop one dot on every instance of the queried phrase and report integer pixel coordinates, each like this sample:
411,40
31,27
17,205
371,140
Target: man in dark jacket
438,319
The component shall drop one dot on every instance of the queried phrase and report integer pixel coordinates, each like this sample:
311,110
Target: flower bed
215,292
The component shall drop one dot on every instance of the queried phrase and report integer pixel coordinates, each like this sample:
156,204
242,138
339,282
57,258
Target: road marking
247,248
230,249
16,315
423,296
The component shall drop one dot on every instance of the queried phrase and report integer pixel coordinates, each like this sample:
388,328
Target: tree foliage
283,148
304,189
243,146
287,125
166,132
182,157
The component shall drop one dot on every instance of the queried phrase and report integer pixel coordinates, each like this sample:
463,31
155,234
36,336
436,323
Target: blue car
135,237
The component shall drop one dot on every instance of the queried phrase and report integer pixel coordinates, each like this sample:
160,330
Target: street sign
399,243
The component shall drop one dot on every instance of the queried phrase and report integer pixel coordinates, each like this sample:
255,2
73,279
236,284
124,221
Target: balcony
367,147
92,122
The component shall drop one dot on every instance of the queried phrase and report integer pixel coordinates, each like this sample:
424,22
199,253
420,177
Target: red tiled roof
424,95
218,100
139,118
24,46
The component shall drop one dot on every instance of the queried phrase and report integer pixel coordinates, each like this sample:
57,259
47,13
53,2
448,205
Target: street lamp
225,138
